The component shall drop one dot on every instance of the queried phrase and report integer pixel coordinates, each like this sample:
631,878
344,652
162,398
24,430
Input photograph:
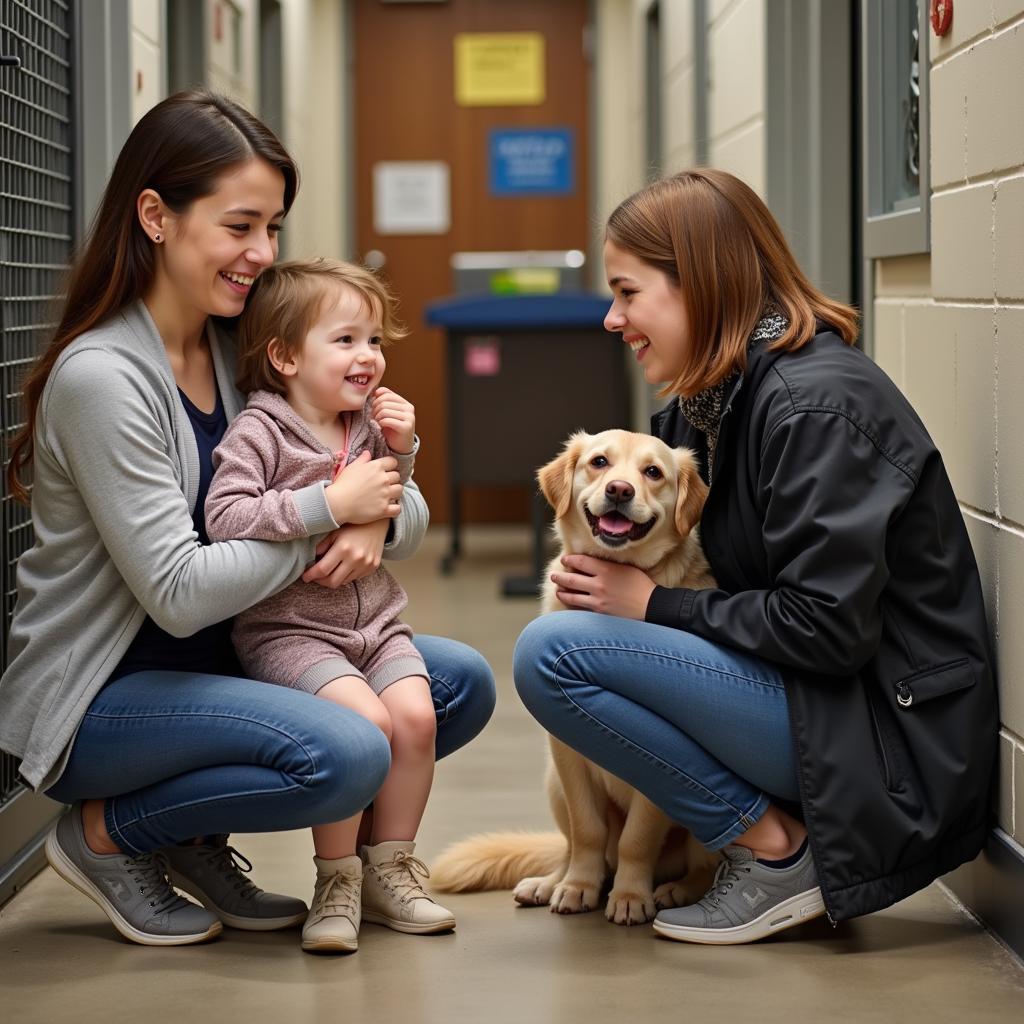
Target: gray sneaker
747,901
131,891
213,874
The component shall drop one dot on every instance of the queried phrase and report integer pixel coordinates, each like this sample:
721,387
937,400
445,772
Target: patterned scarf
704,409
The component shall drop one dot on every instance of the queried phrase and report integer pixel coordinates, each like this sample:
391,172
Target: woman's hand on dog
594,585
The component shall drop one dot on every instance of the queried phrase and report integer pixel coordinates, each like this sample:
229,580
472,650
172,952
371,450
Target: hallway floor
922,960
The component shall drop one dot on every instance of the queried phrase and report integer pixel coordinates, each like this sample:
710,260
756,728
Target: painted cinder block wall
736,88
147,55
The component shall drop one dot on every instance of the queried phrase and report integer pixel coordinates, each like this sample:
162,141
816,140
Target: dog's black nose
619,490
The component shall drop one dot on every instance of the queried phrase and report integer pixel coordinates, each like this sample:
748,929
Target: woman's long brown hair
180,149
714,238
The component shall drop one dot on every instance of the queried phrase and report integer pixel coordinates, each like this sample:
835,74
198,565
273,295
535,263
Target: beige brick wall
678,138
950,329
314,67
736,91
315,97
619,107
736,103
618,103
232,28
147,82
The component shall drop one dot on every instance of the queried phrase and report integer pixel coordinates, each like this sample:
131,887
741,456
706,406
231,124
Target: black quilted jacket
841,554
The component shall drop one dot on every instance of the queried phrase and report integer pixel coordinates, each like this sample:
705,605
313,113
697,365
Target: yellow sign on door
499,69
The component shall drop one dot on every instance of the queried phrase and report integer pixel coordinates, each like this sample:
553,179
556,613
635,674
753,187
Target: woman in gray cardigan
122,695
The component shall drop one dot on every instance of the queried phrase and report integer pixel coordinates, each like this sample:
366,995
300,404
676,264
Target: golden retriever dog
630,498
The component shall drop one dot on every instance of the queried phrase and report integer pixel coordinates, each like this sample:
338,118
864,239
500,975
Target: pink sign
483,357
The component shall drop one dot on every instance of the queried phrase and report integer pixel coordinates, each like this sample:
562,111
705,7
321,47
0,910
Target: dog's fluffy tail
497,860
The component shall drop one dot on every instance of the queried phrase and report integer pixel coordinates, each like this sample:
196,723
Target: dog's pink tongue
614,523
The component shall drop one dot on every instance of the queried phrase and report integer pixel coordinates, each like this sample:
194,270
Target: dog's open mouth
614,529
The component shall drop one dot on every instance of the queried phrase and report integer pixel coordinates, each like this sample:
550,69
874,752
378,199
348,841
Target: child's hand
397,419
367,490
348,554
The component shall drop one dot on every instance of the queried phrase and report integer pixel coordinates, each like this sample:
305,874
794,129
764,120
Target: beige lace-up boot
333,922
393,894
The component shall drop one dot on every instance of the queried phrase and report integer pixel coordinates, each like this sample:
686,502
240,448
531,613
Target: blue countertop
526,312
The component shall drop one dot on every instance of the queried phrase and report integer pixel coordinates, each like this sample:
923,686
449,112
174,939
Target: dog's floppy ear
555,478
692,492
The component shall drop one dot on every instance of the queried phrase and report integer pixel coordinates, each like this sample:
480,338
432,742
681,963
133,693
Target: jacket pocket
886,745
933,682
886,766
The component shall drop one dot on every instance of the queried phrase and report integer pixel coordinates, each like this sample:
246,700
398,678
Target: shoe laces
148,872
232,866
400,875
727,875
337,895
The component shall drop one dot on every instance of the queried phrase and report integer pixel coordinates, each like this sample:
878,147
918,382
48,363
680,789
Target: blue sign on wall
532,162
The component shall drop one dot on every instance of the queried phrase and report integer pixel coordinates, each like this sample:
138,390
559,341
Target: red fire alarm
942,16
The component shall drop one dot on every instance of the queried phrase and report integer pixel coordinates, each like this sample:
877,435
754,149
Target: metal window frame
187,49
271,65
103,109
904,232
653,151
701,83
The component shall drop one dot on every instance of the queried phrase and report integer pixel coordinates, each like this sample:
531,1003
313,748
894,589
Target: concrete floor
922,960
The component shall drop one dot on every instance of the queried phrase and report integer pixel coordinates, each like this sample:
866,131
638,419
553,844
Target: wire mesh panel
35,233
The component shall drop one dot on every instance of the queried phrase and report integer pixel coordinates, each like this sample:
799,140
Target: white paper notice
411,197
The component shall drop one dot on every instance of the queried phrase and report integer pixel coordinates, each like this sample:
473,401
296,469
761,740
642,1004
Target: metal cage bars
36,234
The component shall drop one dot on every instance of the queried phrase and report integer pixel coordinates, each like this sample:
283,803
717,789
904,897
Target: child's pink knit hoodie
305,635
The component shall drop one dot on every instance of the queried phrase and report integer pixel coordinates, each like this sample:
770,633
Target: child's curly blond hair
286,301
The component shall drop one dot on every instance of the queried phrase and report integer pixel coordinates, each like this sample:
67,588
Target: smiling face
623,496
340,362
211,254
647,310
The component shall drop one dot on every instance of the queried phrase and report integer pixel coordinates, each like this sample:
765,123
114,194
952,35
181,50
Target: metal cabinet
524,372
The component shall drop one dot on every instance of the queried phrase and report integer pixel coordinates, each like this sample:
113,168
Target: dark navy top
210,649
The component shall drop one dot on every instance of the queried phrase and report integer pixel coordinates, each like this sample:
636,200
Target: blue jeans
700,729
179,754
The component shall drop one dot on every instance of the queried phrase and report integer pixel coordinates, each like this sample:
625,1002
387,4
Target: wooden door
405,109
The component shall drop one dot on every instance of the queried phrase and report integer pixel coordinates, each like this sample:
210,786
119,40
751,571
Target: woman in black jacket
826,717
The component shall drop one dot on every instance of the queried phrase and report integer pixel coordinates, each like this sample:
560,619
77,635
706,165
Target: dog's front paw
629,907
575,897
682,892
533,892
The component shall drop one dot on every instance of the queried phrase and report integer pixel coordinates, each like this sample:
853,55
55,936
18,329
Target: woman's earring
158,238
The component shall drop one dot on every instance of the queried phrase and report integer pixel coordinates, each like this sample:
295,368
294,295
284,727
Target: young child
310,358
